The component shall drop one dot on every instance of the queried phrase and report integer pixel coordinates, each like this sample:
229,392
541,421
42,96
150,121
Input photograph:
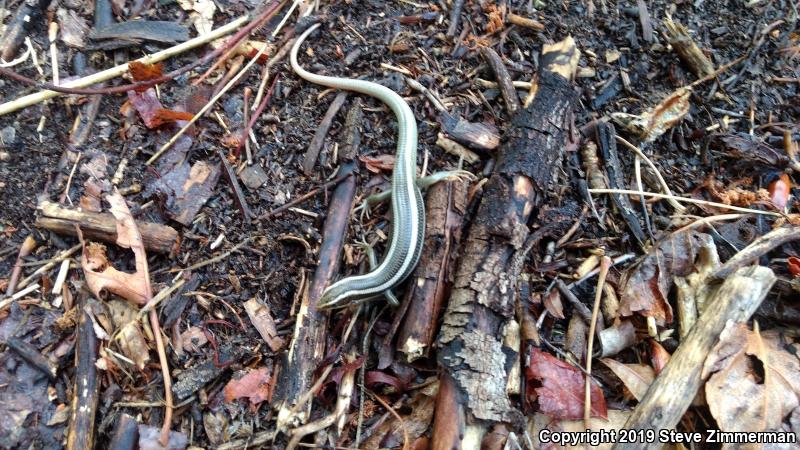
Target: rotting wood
315,146
103,227
672,392
85,390
481,305
608,149
308,342
419,314
687,49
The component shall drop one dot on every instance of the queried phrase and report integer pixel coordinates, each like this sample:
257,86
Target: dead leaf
754,383
202,14
102,277
659,356
255,385
552,302
129,337
377,164
646,285
150,110
261,318
183,189
779,191
636,377
651,124
390,433
561,388
143,72
192,339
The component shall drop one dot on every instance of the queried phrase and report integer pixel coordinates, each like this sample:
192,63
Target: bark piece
482,302
687,49
103,227
672,392
446,206
308,342
145,30
85,391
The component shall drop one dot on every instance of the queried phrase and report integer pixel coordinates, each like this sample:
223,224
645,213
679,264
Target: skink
408,210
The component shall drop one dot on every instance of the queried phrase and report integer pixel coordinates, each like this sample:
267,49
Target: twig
45,268
678,207
605,264
217,258
684,199
503,79
25,249
207,106
303,197
73,87
758,247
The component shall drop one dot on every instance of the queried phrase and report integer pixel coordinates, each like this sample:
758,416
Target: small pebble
8,135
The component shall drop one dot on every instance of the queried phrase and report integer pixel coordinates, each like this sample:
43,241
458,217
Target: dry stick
605,264
315,146
678,207
258,111
455,17
503,79
69,89
114,72
207,106
25,249
683,199
162,360
245,138
672,392
46,268
85,391
756,249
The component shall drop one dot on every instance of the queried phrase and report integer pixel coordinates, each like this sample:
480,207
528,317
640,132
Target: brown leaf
552,302
142,72
755,381
659,356
376,164
102,277
636,377
646,285
561,391
255,386
390,433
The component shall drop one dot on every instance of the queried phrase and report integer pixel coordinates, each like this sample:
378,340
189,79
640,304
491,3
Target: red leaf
152,113
794,266
562,388
255,386
779,191
659,356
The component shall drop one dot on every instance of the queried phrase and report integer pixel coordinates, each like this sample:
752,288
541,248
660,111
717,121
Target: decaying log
672,392
481,308
419,314
85,391
103,227
308,342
